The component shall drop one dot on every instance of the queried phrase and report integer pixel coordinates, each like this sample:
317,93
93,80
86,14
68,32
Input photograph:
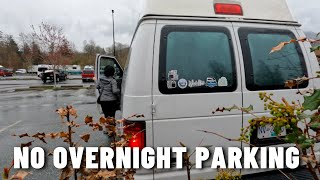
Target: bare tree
53,44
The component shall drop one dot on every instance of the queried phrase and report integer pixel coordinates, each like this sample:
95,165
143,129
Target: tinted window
196,60
265,71
88,72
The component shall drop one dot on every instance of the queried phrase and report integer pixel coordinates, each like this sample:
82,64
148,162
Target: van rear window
196,60
265,71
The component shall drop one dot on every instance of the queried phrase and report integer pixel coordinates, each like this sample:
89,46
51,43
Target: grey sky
91,19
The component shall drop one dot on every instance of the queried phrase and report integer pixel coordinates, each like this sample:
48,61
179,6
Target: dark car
87,75
48,75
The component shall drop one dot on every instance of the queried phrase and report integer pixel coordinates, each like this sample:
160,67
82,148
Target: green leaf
291,138
315,126
314,48
250,108
304,116
312,102
301,139
277,129
307,143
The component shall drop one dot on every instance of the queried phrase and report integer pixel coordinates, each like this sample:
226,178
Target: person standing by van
108,91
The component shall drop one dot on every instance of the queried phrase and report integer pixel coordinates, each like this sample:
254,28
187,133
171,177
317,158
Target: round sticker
182,83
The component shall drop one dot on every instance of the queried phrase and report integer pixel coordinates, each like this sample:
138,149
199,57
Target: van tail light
228,9
138,132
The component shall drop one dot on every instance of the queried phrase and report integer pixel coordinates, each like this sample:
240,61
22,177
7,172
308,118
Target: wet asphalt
34,111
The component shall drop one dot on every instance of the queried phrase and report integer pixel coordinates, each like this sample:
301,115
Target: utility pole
114,42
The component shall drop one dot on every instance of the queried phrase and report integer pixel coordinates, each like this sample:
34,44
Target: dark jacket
108,89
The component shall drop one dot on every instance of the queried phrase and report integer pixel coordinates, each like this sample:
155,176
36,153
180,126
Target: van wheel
44,80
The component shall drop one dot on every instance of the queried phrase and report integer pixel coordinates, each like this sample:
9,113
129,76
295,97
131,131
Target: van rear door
265,72
196,71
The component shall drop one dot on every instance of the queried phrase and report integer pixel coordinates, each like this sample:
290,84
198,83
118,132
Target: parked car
21,71
48,75
192,40
87,75
5,72
8,72
2,71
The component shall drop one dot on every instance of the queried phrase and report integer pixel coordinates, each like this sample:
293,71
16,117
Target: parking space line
3,129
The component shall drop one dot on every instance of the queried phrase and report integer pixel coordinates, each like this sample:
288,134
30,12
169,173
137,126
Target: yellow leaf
88,119
106,174
85,137
66,173
20,175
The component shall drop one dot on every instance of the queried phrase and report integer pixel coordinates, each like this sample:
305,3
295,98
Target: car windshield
42,69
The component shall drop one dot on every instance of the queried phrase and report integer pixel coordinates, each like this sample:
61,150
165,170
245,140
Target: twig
229,139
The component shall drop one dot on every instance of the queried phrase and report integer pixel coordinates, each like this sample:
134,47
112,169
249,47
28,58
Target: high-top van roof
277,10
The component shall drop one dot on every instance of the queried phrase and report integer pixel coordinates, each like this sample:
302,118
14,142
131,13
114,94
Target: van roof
276,10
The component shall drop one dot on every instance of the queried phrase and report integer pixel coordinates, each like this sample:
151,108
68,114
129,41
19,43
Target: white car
21,71
201,39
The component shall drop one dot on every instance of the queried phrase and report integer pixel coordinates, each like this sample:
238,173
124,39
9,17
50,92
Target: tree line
47,44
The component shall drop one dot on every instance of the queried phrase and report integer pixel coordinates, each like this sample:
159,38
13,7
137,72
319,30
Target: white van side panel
177,117
137,91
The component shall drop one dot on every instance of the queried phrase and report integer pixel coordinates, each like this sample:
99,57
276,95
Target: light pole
114,42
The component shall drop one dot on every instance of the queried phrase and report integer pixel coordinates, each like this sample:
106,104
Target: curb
30,79
57,88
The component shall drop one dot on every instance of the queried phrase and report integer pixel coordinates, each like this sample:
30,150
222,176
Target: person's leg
104,107
108,108
113,108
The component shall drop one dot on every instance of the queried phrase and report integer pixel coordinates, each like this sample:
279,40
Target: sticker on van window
223,82
182,83
173,75
171,84
211,82
196,83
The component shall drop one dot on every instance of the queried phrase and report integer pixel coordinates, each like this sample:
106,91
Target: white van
42,68
180,44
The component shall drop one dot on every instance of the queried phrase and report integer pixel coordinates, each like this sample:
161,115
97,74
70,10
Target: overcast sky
91,19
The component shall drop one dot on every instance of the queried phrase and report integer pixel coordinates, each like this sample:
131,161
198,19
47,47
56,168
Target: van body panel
183,105
272,9
137,87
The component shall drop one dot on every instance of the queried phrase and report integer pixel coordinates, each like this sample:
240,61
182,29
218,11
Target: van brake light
137,130
228,9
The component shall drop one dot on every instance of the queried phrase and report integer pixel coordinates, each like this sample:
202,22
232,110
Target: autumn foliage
68,115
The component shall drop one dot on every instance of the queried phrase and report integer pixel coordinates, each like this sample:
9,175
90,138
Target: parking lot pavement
32,77
33,112
9,85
